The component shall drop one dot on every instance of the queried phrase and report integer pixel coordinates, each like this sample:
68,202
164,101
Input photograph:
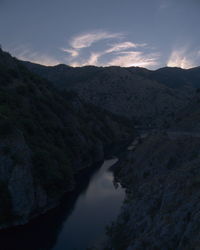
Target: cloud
181,58
87,39
84,51
27,54
95,56
72,52
123,46
135,58
123,59
92,60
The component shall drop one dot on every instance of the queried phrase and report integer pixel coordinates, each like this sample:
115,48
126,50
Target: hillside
148,97
161,175
55,121
46,137
176,78
188,119
161,209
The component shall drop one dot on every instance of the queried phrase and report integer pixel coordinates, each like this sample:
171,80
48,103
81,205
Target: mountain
172,77
63,75
148,97
46,137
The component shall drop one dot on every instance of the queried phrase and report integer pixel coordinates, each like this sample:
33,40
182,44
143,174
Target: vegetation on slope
46,136
147,97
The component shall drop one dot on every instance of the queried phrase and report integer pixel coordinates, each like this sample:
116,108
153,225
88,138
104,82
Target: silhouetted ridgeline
147,97
46,136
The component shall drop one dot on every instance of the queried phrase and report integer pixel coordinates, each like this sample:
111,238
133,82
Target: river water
78,222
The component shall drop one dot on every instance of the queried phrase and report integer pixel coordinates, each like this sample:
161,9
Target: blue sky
144,33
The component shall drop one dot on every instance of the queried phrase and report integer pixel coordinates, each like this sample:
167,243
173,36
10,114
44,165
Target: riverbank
78,222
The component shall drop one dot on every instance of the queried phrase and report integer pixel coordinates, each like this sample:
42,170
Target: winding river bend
78,222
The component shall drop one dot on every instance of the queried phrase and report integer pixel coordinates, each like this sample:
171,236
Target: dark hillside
46,136
148,97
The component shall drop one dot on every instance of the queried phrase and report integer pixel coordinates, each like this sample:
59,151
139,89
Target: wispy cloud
135,58
92,60
27,54
87,39
72,52
117,47
82,50
181,58
123,46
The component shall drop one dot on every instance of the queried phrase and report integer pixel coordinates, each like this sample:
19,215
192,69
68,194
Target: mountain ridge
142,93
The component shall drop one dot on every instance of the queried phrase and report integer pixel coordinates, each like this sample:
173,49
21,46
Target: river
80,220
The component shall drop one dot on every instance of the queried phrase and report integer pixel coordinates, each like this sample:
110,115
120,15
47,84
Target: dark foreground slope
45,138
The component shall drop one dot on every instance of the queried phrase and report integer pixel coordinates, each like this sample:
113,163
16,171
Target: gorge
57,123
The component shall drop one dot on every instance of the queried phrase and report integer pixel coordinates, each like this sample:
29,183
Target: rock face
46,137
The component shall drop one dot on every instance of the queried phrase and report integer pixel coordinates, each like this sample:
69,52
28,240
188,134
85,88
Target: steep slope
161,210
46,137
147,97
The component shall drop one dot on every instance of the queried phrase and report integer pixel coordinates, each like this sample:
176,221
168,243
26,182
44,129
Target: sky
144,33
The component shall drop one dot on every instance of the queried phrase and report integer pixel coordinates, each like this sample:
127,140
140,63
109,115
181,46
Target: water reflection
79,221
